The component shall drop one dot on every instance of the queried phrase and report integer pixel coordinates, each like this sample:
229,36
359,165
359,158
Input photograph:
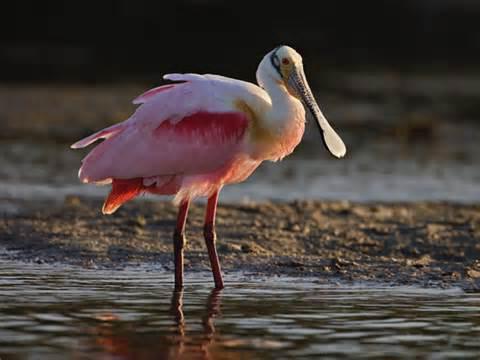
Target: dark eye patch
275,62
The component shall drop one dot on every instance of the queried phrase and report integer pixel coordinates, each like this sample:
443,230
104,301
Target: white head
278,64
284,66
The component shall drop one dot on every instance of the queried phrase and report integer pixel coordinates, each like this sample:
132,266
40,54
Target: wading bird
191,137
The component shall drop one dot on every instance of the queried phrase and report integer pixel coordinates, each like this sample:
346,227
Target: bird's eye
285,61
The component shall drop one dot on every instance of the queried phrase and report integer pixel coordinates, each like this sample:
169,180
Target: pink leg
211,237
179,243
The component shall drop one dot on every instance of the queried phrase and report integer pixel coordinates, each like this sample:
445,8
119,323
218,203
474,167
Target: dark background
84,41
399,80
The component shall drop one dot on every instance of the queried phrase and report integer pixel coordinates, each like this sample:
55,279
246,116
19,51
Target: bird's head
284,66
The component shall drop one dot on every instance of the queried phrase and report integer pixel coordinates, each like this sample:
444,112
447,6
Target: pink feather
170,145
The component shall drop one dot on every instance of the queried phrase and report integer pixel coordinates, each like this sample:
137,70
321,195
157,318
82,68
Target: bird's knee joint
209,232
179,240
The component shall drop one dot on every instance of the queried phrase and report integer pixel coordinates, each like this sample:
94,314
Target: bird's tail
122,191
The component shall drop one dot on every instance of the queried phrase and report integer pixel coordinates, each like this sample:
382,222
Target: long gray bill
331,140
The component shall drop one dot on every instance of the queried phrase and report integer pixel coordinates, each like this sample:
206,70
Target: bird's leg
211,237
179,243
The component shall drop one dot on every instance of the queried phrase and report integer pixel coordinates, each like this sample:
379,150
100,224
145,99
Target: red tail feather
122,191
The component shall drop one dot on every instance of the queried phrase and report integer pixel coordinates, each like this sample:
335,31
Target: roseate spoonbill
201,132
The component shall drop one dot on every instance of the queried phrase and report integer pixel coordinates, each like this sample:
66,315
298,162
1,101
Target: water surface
51,312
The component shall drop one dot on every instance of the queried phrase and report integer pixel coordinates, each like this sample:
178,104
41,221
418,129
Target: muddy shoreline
431,244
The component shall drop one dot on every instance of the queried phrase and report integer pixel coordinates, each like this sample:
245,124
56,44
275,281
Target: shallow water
53,312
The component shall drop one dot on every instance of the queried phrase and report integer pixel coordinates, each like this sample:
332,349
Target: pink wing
148,95
112,130
171,134
102,134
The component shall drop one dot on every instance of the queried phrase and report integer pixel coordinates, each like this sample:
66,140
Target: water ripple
57,312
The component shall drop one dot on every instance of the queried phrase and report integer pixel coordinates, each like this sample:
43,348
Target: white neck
284,107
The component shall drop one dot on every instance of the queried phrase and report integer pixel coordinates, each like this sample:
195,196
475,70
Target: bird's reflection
213,309
180,345
195,347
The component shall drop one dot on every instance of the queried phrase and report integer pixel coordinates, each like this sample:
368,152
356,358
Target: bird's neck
284,109
280,127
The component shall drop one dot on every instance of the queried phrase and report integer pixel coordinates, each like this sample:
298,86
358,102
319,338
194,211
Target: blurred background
399,80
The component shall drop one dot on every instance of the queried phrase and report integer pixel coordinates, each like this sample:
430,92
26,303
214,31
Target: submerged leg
211,237
179,243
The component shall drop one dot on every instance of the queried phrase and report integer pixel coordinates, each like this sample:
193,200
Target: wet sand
424,244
